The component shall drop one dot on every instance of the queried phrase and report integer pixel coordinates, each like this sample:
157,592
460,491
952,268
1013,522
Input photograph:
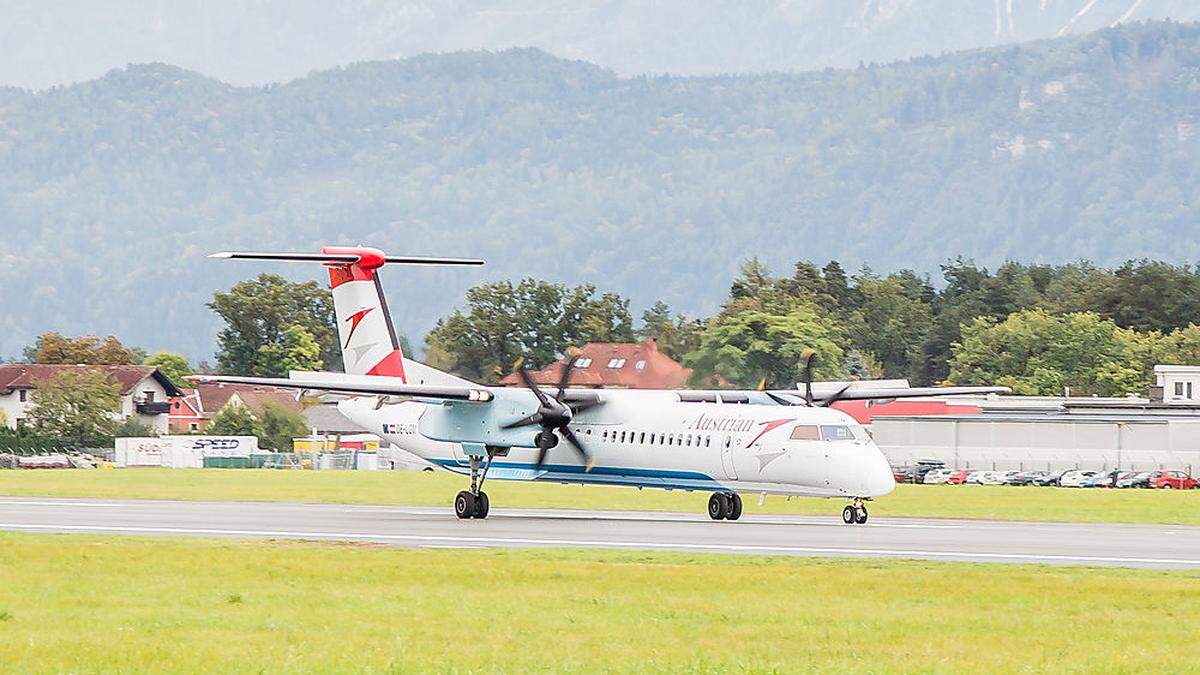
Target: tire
849,517
861,517
735,507
464,505
718,506
481,505
1167,486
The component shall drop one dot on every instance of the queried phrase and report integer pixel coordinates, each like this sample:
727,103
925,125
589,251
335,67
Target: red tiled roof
658,370
29,376
210,397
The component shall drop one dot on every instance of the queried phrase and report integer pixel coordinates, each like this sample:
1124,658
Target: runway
1150,546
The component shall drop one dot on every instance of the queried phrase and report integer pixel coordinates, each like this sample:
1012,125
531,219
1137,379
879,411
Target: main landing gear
725,506
473,503
855,514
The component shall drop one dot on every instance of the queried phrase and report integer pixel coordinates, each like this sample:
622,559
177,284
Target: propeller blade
535,418
574,441
835,398
541,458
527,380
810,355
565,376
781,400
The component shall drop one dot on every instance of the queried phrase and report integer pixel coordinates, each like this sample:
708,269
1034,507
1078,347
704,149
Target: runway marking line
755,520
742,548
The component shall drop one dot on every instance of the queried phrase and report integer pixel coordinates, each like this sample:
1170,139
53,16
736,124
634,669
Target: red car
958,477
1173,480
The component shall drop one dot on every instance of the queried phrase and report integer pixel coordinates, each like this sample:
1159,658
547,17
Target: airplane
726,442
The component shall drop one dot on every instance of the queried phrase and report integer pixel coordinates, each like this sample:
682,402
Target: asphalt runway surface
1151,546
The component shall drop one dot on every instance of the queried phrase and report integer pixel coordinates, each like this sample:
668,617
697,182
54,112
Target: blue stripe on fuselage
600,474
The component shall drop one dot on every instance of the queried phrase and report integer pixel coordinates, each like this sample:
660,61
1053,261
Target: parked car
1102,479
1026,478
957,476
1173,480
938,477
1134,480
1076,478
924,466
900,473
1010,477
975,478
1048,478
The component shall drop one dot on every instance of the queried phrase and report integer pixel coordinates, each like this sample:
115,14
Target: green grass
422,489
115,604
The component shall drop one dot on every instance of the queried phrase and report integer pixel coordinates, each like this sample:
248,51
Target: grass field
112,604
423,489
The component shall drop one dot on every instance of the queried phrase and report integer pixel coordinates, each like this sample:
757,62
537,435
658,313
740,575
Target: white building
145,392
1176,384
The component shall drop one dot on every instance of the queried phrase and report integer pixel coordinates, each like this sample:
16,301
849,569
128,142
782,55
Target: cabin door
727,458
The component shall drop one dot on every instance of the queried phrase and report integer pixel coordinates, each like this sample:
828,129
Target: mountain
43,43
112,191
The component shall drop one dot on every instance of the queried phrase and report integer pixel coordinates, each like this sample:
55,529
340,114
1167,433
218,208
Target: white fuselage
651,439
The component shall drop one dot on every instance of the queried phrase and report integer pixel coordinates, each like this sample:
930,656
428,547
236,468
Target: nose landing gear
855,514
725,506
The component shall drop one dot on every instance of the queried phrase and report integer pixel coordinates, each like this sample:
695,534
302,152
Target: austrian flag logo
355,319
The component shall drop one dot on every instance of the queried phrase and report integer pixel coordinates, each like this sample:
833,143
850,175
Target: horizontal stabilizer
340,258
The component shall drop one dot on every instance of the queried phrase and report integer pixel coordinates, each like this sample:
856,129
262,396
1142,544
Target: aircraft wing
369,386
866,394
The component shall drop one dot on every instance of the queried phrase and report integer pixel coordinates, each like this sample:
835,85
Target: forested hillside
659,188
44,43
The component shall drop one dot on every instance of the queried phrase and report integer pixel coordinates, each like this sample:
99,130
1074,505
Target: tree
889,324
54,348
174,366
1036,353
132,427
277,426
744,348
587,317
233,420
259,313
78,406
674,338
297,351
534,320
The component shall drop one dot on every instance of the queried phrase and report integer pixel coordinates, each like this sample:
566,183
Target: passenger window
671,439
604,436
836,432
806,432
642,438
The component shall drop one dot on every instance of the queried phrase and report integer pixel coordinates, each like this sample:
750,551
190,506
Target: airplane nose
879,477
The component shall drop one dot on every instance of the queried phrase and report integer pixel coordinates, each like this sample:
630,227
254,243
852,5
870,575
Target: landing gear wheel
464,505
849,516
718,506
735,507
481,505
862,515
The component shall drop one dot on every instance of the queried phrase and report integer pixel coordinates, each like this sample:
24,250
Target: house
192,409
145,391
614,365
1176,384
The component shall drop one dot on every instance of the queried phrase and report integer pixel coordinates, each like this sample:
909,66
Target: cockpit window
836,432
806,432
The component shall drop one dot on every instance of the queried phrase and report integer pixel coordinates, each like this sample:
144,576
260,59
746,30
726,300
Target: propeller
553,414
810,356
